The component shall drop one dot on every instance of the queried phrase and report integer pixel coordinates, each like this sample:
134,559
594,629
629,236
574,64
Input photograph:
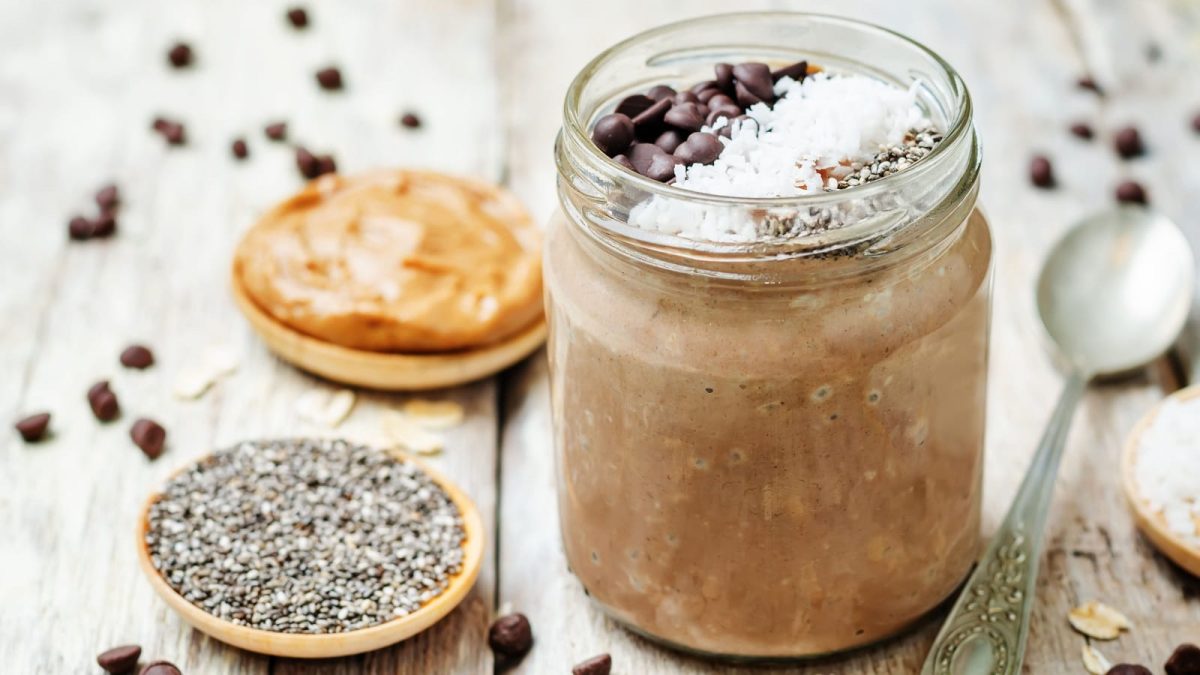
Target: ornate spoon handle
985,632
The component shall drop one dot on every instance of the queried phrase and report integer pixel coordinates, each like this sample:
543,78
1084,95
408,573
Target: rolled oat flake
305,536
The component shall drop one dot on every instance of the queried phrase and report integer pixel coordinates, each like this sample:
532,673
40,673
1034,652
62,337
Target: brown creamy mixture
402,261
757,476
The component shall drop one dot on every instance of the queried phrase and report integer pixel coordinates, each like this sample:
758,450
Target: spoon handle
985,632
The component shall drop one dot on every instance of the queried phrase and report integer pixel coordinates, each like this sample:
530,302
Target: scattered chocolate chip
137,356
597,665
511,636
103,402
329,78
410,121
685,116
648,123
33,428
298,17
1196,123
1087,82
1082,130
161,668
239,148
1128,143
1041,173
632,106
312,166
660,91
80,228
670,139
724,73
797,71
699,148
121,659
326,164
1128,669
105,225
1131,192
624,161
613,133
149,436
108,197
755,79
276,131
180,55
171,130
1185,660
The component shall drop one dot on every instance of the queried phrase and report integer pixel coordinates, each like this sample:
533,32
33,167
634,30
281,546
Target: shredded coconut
1168,467
804,144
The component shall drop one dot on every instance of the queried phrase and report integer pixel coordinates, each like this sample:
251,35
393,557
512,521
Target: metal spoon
1113,295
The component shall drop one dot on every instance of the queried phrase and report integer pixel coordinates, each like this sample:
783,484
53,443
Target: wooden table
80,81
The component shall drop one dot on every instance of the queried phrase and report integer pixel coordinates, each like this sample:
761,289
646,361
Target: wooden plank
79,84
1020,60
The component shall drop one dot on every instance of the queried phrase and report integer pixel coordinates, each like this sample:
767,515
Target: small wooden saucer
317,646
1150,523
386,371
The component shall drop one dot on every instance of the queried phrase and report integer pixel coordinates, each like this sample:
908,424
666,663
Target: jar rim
575,133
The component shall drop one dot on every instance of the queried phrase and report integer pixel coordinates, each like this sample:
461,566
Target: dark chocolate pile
652,133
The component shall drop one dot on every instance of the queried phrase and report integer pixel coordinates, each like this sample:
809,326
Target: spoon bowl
1115,291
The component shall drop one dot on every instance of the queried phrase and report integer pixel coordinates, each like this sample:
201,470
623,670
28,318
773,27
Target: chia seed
917,144
305,536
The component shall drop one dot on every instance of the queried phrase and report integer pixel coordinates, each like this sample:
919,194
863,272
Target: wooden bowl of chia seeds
310,548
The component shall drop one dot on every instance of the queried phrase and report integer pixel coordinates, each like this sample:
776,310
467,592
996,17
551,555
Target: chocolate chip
33,428
597,665
745,97
685,116
171,130
410,121
670,139
103,402
632,106
1090,84
80,228
105,225
660,91
797,71
724,73
312,166
699,148
329,78
701,86
180,55
1185,660
1128,143
662,167
108,197
1131,192
1128,669
1082,130
149,436
137,356
648,123
1041,173
239,148
511,636
276,131
624,161
707,95
613,133
121,659
689,97
1196,123
159,124
298,17
652,161
755,79
161,668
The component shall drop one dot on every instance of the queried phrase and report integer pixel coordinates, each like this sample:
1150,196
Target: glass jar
774,449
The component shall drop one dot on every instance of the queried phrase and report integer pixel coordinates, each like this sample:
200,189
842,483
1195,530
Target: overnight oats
769,295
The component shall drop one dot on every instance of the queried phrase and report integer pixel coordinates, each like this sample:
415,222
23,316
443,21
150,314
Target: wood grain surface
80,81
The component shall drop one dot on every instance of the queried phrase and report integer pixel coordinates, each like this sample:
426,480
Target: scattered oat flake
1098,620
326,409
1094,661
191,382
402,432
434,415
